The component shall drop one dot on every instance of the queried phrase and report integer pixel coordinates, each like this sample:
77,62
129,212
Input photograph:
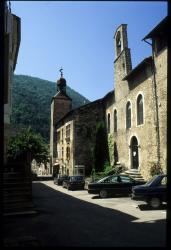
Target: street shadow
146,207
111,196
95,197
63,220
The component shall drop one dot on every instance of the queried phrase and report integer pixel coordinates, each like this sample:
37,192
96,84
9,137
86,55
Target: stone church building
135,113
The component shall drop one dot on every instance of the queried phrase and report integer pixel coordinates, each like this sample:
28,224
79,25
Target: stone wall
161,79
60,106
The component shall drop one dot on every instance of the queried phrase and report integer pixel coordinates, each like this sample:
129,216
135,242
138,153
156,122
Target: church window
128,115
108,123
115,120
140,115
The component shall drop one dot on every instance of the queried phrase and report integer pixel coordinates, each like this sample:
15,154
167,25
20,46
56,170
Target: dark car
153,192
113,185
74,182
58,179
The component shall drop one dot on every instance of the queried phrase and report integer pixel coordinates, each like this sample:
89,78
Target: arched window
108,123
128,115
115,120
118,43
140,115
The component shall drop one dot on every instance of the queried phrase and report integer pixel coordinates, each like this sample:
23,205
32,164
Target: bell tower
61,104
122,62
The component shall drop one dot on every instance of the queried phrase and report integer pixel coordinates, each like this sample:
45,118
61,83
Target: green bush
107,168
100,149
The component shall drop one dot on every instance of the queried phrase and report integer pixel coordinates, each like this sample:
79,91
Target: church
134,113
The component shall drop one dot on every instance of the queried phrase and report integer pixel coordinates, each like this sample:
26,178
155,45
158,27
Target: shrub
156,169
28,142
100,150
107,168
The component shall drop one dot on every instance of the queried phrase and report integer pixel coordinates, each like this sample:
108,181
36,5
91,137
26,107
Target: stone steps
134,174
17,193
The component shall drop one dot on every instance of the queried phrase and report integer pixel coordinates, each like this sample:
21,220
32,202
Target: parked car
153,192
74,182
113,185
58,179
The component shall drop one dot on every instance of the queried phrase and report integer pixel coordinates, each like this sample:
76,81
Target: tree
100,149
28,142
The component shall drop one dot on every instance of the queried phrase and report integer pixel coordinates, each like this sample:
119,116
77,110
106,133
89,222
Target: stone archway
134,153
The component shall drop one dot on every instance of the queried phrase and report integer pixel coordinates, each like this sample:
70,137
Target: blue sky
78,35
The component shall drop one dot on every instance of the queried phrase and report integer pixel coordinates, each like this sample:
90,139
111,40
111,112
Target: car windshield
62,176
153,181
105,179
77,178
126,179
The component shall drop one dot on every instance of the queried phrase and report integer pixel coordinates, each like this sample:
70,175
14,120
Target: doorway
134,153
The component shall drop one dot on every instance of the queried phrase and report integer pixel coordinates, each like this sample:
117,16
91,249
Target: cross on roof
61,69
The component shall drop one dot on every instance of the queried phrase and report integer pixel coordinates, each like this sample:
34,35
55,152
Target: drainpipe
156,103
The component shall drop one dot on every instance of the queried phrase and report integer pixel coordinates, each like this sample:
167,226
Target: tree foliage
31,101
100,152
28,141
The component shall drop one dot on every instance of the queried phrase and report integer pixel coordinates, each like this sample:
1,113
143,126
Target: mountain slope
31,100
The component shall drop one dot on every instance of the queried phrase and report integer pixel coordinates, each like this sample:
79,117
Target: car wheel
154,202
103,193
63,185
68,187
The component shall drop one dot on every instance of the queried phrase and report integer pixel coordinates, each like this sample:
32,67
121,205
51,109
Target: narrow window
108,123
58,136
118,43
68,153
128,115
68,132
62,135
115,120
140,116
62,152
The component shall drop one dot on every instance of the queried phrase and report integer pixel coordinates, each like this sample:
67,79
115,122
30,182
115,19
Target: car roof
76,176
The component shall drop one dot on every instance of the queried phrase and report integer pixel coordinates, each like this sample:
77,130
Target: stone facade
80,139
151,85
135,113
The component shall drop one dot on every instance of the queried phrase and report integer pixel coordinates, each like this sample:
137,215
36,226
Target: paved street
76,218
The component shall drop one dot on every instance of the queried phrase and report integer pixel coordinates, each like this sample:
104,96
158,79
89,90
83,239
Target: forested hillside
31,99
